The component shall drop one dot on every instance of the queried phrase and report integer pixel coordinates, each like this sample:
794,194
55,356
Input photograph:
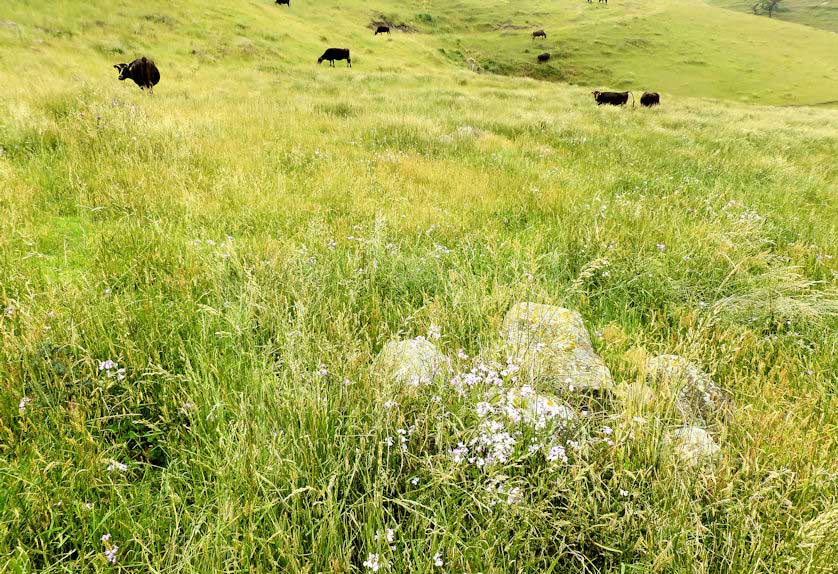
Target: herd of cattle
145,74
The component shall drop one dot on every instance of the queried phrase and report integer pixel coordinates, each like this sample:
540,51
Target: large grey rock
412,362
693,446
696,397
554,347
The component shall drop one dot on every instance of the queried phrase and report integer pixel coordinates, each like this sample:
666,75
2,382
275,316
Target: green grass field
244,241
821,14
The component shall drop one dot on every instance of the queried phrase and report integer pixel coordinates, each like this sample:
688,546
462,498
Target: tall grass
245,241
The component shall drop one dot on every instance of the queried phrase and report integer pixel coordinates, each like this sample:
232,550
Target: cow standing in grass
142,71
284,2
542,58
612,98
382,30
539,34
333,54
649,99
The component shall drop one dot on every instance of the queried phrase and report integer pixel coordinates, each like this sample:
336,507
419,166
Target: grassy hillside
245,241
821,14
677,47
682,47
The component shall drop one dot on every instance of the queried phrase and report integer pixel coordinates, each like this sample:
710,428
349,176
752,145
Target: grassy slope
103,192
821,14
679,47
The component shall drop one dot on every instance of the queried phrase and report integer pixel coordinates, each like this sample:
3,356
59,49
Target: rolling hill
679,47
821,14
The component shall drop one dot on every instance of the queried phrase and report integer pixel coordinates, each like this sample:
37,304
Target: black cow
539,34
332,54
543,57
142,70
649,99
612,98
601,1
285,2
382,30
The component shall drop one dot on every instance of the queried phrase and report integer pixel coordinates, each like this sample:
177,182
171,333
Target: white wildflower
373,562
557,452
21,406
459,453
438,560
107,365
117,466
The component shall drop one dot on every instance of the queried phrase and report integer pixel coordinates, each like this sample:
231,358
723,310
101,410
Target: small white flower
414,481
106,537
607,430
624,492
117,466
459,453
557,452
390,404
438,560
462,355
483,408
110,553
107,365
373,562
22,404
661,247
388,441
323,371
434,332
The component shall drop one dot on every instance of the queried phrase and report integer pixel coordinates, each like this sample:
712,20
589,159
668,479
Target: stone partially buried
554,347
412,362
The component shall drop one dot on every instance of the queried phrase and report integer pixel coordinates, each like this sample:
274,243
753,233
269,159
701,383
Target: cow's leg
349,62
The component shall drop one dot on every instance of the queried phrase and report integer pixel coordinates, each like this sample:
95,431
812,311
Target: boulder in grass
697,398
693,446
412,362
554,348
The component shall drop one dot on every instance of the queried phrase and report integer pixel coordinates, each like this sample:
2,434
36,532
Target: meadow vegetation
194,286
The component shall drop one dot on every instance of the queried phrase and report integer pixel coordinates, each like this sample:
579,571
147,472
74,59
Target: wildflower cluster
110,549
112,369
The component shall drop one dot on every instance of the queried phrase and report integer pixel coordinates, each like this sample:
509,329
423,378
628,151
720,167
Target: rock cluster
554,351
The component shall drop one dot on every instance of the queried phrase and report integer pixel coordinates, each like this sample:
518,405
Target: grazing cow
543,57
382,30
539,34
142,70
649,99
332,54
612,98
286,2
601,1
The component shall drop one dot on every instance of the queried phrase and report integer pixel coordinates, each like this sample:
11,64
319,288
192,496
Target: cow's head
123,71
596,93
320,60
